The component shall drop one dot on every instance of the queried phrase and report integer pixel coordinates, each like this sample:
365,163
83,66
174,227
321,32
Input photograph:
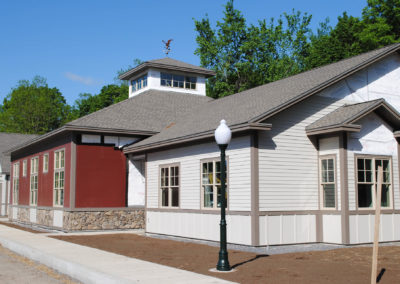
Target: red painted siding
100,176
45,180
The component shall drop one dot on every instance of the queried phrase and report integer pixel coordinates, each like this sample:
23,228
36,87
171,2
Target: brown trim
344,190
325,84
199,211
72,183
146,180
302,212
372,212
255,204
330,129
197,136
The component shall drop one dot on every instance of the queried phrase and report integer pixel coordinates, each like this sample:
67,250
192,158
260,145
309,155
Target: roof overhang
198,136
86,129
146,65
334,128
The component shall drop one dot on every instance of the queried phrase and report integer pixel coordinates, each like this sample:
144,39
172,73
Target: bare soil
348,265
15,226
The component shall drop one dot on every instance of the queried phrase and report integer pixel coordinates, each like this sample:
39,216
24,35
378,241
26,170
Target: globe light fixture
223,136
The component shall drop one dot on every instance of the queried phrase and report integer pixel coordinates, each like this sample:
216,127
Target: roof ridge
359,103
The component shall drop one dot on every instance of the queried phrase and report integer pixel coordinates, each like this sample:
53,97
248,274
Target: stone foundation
44,217
23,215
104,220
112,219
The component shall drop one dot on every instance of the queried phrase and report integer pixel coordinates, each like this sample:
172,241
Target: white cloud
77,78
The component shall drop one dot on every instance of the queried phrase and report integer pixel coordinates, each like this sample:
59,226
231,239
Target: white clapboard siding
190,157
375,138
288,161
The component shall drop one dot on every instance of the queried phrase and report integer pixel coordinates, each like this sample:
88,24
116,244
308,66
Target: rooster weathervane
167,46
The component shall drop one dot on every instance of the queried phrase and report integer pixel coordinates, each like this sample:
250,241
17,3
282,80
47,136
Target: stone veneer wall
104,220
44,217
23,215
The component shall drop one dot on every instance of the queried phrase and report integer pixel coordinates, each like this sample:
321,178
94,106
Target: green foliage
121,71
108,95
33,107
247,56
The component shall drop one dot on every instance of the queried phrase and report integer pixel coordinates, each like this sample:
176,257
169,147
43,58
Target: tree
33,107
247,56
108,95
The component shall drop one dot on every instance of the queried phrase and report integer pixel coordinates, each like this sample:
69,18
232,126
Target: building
300,166
8,140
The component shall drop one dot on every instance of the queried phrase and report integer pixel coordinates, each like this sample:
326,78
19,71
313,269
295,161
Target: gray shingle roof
7,141
169,64
149,111
257,104
349,114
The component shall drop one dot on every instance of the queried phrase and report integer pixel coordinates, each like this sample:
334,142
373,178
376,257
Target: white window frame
322,182
374,181
214,183
34,181
24,168
59,178
46,163
139,83
170,186
16,169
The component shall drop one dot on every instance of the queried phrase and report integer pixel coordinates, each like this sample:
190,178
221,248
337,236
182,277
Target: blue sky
80,45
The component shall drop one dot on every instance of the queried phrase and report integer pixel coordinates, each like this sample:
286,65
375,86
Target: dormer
167,74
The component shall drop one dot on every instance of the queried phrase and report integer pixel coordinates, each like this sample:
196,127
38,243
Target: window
15,183
24,168
59,172
178,81
211,183
328,182
139,83
34,181
45,163
169,186
367,179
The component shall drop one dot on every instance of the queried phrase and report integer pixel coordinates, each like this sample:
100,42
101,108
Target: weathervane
167,46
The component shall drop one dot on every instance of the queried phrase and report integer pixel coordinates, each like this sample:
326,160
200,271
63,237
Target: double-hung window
59,176
169,186
328,182
34,181
367,180
24,168
211,183
15,183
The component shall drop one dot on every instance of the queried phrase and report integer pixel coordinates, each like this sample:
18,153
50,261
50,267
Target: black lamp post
223,136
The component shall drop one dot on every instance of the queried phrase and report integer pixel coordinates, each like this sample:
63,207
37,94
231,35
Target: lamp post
223,136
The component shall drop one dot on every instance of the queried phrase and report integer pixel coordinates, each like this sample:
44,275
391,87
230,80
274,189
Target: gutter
197,136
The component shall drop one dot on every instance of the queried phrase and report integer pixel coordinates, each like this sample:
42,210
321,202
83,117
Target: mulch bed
15,226
348,265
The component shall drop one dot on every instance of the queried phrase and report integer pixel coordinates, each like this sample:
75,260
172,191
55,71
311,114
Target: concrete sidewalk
90,265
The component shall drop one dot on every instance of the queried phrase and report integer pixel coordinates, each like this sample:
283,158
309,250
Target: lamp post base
223,262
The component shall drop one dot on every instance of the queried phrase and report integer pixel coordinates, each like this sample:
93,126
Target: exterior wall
238,173
288,159
97,219
100,177
181,221
332,228
199,226
136,182
45,180
287,229
4,194
153,82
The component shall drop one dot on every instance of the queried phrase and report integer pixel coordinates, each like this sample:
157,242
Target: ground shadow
250,260
380,275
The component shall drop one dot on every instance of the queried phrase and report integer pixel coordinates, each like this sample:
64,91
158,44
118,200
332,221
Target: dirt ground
348,265
21,228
